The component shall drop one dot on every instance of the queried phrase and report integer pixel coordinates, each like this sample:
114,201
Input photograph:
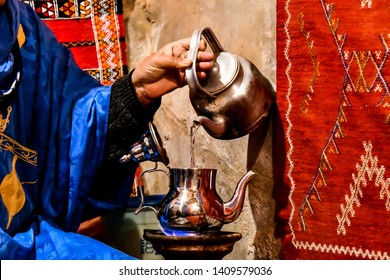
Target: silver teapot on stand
192,205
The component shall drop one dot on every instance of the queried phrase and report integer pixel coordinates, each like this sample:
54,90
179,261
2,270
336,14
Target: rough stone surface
246,28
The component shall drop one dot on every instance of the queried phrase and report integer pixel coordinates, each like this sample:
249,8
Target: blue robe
52,136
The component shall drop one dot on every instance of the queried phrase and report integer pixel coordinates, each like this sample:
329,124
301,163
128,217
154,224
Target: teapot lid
222,75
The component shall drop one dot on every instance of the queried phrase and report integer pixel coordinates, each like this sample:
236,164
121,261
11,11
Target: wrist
139,88
142,94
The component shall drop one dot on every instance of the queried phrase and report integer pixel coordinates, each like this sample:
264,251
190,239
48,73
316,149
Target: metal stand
204,246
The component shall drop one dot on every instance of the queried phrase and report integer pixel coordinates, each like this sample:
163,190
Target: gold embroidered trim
3,122
9,144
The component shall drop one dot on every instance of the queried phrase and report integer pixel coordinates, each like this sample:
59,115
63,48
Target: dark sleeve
127,120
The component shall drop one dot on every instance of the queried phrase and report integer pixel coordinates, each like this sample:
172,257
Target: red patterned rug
93,30
332,157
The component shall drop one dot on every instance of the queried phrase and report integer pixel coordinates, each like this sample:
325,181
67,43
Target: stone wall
246,28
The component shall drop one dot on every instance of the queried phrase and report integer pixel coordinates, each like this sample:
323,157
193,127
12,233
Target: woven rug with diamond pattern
332,159
92,29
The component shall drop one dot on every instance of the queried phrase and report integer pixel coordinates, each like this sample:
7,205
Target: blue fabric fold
6,67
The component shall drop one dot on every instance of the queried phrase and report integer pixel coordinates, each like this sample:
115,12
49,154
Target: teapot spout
216,127
233,208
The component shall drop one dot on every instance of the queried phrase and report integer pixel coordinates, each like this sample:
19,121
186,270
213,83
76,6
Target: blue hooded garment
52,134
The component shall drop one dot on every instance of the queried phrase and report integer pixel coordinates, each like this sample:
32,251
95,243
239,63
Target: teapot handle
216,47
141,191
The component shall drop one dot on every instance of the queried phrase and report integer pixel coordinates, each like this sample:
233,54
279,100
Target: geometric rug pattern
93,31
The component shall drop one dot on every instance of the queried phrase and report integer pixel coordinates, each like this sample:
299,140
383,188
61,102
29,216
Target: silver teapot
235,98
192,205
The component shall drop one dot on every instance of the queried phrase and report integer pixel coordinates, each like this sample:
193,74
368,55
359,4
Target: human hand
164,71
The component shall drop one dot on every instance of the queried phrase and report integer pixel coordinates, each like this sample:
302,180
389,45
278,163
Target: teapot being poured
235,97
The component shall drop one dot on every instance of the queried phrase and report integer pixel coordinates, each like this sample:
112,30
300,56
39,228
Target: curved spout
216,127
233,208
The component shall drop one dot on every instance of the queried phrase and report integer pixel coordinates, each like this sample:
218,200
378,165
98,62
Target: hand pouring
235,97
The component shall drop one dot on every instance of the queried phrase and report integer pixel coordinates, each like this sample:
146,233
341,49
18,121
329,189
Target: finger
172,62
205,56
176,50
204,66
201,75
202,48
183,43
174,47
202,45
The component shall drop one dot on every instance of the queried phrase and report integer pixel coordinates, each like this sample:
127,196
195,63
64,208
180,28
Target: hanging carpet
332,157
